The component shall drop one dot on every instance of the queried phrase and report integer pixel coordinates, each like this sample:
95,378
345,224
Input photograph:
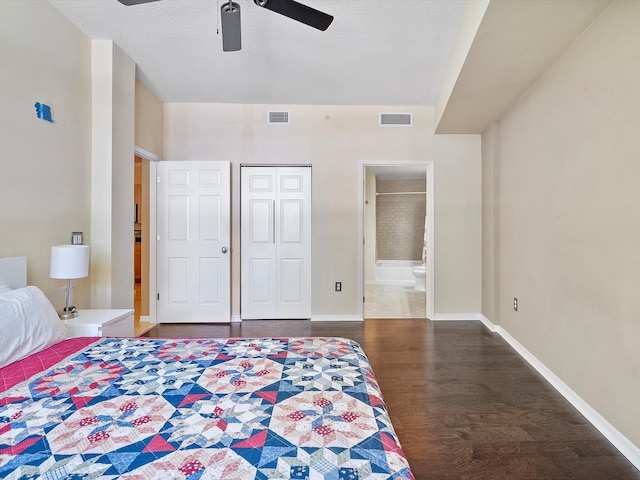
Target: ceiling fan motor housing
231,35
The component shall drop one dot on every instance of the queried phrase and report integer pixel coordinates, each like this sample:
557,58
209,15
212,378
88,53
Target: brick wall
400,220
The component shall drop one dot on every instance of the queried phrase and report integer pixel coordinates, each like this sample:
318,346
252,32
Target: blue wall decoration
43,111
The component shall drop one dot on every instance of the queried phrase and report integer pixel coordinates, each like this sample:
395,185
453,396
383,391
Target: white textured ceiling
376,52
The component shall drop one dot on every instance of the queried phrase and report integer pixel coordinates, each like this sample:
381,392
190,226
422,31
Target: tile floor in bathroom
394,301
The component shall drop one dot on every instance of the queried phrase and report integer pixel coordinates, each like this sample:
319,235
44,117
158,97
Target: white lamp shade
69,261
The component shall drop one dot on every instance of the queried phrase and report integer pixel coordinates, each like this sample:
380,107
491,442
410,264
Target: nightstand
101,323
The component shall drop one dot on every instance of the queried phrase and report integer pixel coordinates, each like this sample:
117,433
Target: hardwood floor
463,403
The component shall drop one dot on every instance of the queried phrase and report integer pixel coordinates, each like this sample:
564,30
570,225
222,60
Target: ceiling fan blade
299,12
230,22
130,3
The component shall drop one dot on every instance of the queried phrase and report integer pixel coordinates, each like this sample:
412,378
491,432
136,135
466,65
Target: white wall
490,223
112,212
458,224
471,20
335,140
370,229
45,168
568,217
148,120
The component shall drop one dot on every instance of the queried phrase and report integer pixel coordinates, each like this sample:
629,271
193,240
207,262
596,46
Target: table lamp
69,262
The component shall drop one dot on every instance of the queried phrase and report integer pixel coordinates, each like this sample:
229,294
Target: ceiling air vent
395,119
279,117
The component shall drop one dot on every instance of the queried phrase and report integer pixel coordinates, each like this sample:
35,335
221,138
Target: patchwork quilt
196,409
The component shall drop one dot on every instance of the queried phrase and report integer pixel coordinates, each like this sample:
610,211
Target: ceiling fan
230,17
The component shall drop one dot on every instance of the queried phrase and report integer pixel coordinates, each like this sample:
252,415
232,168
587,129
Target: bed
194,409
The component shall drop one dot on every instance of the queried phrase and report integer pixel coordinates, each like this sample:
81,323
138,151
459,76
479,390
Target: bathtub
395,272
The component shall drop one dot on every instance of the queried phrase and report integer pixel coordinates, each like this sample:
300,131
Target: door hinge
158,296
157,179
363,299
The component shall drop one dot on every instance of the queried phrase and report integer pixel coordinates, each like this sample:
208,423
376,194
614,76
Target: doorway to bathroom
397,233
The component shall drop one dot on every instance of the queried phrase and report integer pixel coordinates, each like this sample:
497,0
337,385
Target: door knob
225,249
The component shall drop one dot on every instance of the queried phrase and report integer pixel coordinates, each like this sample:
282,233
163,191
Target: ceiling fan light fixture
230,21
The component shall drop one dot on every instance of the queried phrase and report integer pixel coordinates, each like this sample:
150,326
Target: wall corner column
491,223
112,172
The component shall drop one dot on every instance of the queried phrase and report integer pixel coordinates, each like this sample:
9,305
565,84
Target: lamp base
69,312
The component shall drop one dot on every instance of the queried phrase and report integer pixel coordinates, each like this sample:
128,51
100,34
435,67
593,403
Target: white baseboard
146,319
455,316
622,443
336,318
318,318
488,323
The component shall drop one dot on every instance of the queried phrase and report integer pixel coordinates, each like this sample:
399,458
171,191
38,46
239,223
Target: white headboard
13,272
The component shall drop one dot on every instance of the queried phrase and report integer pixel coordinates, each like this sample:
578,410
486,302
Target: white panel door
275,242
293,239
193,259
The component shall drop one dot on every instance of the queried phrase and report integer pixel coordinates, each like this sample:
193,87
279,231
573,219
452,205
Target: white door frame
153,234
430,270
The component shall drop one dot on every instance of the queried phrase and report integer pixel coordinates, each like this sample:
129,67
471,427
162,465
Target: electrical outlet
338,286
515,304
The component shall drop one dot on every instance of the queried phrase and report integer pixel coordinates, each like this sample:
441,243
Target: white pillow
28,324
5,288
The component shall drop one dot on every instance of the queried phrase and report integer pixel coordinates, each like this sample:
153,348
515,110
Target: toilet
419,271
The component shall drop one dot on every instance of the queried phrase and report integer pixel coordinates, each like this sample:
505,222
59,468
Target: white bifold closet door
275,240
